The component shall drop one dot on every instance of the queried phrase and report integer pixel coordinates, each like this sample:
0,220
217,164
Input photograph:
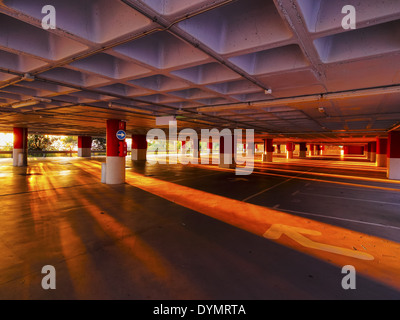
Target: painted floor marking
340,219
324,241
296,234
348,198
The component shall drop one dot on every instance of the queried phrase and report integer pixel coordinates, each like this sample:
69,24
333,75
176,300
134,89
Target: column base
303,154
84,152
230,164
393,165
372,157
139,154
381,160
19,158
267,157
115,170
289,155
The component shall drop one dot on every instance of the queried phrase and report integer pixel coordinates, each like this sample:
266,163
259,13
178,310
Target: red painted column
84,146
197,149
393,155
369,148
268,150
317,150
312,151
210,146
227,145
289,150
115,169
381,152
20,150
183,149
278,148
372,155
139,147
303,150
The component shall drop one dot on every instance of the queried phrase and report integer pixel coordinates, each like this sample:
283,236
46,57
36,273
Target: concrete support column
139,147
115,169
209,147
20,150
393,155
268,150
251,148
312,151
369,151
227,146
183,149
317,150
372,155
84,146
198,148
303,150
381,152
289,150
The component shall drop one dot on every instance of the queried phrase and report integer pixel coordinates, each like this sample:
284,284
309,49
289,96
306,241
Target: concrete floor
179,232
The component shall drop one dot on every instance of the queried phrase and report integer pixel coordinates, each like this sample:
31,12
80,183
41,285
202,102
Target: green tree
99,144
38,142
7,147
69,142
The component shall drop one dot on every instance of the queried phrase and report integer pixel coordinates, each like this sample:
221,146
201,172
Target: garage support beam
139,147
20,150
84,146
115,163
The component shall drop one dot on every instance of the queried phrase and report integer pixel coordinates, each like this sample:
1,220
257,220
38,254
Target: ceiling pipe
303,99
191,113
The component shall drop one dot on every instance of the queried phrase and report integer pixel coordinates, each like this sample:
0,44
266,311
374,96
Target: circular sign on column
121,135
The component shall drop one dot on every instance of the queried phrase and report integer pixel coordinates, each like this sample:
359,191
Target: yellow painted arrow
277,230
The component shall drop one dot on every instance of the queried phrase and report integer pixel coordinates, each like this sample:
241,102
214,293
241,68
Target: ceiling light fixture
116,107
28,77
361,93
260,104
26,103
303,99
30,102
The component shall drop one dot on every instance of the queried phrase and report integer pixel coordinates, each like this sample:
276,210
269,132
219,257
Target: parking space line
274,186
341,219
348,198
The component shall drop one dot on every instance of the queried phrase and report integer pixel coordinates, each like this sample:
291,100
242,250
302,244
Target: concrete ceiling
208,62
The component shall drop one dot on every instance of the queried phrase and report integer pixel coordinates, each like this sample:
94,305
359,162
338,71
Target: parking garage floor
200,232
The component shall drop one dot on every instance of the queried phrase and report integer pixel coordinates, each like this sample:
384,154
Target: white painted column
139,148
20,150
381,152
393,162
227,147
115,165
84,146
